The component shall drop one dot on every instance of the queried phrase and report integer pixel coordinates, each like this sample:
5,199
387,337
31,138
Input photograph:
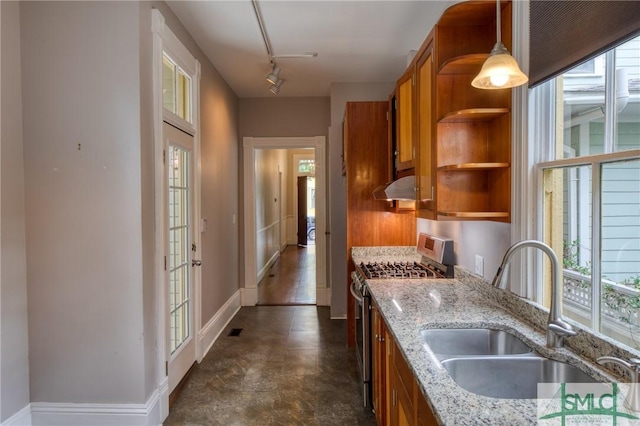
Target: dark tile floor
292,279
288,366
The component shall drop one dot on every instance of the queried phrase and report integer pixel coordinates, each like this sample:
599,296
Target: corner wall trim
212,330
21,418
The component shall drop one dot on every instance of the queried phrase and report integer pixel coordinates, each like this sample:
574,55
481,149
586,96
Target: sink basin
511,377
473,341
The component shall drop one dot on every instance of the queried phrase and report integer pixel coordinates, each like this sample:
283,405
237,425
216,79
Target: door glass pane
179,245
620,254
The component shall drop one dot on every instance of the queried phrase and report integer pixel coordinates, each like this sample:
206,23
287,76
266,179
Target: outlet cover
479,265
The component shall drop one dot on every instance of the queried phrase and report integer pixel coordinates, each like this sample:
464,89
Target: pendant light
500,70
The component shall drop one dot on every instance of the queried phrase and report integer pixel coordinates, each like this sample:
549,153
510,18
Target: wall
269,163
14,350
82,152
487,239
340,94
220,185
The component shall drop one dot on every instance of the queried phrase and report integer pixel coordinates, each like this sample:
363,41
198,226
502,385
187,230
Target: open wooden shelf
473,166
465,64
474,215
473,114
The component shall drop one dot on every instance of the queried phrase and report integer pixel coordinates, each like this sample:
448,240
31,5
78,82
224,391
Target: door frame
164,40
249,293
296,174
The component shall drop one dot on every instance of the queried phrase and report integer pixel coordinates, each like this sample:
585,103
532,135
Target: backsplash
587,343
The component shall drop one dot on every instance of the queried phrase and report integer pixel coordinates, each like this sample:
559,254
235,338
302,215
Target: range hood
400,189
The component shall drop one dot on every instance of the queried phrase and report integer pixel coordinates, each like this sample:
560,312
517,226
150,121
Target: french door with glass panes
180,237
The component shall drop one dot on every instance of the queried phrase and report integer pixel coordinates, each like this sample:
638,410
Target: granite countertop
411,305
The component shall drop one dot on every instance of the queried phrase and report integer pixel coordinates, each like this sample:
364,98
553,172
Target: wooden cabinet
404,140
366,161
473,130
463,133
426,167
397,399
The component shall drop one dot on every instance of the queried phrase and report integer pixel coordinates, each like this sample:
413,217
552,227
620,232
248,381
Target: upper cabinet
464,133
404,111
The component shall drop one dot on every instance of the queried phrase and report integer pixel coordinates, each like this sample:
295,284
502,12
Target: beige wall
88,179
14,350
84,235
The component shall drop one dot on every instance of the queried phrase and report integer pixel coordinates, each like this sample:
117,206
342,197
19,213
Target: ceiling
356,41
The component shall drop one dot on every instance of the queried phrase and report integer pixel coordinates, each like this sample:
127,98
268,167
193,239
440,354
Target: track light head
273,76
275,88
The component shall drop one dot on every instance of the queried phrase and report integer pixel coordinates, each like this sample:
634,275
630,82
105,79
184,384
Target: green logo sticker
584,404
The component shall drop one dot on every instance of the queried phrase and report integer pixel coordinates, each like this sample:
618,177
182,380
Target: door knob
195,262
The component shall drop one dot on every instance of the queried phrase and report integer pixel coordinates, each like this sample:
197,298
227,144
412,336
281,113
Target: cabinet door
426,167
404,122
378,365
425,417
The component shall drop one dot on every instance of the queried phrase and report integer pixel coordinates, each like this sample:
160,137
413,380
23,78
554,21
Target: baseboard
70,414
342,317
263,271
211,331
21,418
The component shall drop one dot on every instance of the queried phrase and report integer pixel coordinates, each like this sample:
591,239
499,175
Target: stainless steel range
437,262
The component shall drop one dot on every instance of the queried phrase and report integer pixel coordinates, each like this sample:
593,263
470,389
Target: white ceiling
357,41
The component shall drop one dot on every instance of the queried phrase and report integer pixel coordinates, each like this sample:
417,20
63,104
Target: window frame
542,136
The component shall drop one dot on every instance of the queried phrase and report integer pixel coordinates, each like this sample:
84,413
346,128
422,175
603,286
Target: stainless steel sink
447,342
511,377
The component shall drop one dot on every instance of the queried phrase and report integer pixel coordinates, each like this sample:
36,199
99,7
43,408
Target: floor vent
235,332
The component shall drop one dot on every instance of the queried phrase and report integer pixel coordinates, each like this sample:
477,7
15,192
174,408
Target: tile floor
292,279
288,366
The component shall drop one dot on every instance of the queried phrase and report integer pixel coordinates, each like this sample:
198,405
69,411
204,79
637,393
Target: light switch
479,265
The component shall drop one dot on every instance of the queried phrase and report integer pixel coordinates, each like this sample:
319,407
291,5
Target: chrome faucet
633,368
557,328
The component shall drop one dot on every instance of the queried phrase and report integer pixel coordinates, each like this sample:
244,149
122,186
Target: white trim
81,414
249,296
165,41
340,317
212,330
521,161
249,293
21,418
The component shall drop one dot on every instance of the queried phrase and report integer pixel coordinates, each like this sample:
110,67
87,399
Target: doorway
181,240
254,268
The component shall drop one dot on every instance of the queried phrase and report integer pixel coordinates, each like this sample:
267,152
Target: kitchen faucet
632,367
557,328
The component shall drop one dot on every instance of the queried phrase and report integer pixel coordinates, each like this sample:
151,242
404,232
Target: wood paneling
369,223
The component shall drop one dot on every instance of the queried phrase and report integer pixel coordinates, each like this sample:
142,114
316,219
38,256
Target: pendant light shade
500,70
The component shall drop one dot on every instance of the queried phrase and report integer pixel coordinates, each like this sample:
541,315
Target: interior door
180,247
302,210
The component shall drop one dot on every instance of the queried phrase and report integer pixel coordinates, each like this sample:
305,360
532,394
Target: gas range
437,262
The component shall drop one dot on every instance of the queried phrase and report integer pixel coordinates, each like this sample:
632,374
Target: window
591,190
176,89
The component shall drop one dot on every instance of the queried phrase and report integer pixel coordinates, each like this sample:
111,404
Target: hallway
288,366
292,279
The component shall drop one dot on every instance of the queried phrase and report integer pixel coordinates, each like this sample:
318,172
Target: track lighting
275,88
273,76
